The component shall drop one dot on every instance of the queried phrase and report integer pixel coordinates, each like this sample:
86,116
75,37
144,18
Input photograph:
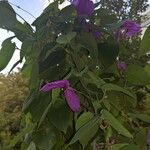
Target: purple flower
83,7
55,85
121,65
129,28
148,137
71,97
96,34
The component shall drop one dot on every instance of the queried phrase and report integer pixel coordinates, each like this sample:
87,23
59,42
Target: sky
35,7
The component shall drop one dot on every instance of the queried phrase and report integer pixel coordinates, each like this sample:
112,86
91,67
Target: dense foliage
105,62
126,8
13,91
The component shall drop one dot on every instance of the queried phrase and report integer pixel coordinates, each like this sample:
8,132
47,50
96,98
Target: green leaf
88,42
106,17
86,132
24,28
26,48
6,53
83,119
137,75
140,138
96,80
108,51
36,104
111,120
54,58
34,77
67,13
7,15
118,146
114,87
59,115
64,39
145,44
44,114
130,147
142,117
44,140
147,69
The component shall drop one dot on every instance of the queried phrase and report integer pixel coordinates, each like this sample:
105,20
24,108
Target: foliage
126,8
13,92
112,104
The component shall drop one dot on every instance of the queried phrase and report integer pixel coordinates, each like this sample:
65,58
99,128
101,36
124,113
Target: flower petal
72,99
54,85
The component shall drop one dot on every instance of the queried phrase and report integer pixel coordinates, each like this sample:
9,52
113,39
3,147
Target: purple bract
72,99
129,28
69,94
55,85
83,7
121,65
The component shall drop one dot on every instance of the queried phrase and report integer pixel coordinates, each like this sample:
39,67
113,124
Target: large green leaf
44,139
37,104
111,120
7,15
6,53
108,51
88,42
145,44
59,115
137,75
54,58
86,132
